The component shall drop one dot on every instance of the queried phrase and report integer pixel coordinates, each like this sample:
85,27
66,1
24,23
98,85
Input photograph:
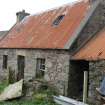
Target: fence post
85,87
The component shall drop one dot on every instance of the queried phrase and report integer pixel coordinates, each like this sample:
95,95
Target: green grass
3,85
27,102
39,98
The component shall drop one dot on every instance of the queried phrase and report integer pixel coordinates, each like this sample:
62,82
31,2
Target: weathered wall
96,75
11,61
58,69
57,65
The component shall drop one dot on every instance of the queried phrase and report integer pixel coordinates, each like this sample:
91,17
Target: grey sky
8,9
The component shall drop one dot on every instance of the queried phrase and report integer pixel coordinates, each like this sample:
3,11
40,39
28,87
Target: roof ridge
62,6
55,8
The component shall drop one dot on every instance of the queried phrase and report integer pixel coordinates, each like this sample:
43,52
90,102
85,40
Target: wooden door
21,65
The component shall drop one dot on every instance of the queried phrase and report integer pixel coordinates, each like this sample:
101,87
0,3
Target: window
58,20
5,61
40,67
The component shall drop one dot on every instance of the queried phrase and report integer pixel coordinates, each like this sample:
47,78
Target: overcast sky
8,9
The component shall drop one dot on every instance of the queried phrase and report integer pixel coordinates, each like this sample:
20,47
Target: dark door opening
5,61
76,78
21,65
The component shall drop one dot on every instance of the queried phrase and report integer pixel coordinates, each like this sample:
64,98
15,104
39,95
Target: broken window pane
40,67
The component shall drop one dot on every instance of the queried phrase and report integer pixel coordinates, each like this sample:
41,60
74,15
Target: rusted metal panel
38,31
94,49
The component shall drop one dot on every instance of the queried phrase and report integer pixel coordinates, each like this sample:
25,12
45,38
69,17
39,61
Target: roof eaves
82,25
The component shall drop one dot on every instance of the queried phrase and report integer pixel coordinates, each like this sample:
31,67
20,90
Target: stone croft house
43,45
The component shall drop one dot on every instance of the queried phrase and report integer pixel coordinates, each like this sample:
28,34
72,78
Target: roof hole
58,20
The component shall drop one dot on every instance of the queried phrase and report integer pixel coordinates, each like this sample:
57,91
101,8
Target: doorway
76,78
21,66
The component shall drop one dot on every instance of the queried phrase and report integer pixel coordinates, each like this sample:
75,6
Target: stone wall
57,65
58,70
96,75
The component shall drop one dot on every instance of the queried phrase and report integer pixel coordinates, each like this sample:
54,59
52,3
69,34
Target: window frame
40,67
41,62
58,20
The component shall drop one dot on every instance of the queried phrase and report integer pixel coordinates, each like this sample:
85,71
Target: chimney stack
20,15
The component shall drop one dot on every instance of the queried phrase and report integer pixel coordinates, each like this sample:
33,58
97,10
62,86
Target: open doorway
21,66
76,78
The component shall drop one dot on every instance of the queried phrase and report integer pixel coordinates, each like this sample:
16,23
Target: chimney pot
20,15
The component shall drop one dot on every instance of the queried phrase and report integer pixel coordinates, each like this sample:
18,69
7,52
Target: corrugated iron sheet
94,49
37,31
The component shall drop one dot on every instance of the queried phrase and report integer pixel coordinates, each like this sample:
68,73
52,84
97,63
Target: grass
3,85
39,98
27,102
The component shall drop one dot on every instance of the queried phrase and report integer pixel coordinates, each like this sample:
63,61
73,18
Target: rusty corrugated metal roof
94,49
37,31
